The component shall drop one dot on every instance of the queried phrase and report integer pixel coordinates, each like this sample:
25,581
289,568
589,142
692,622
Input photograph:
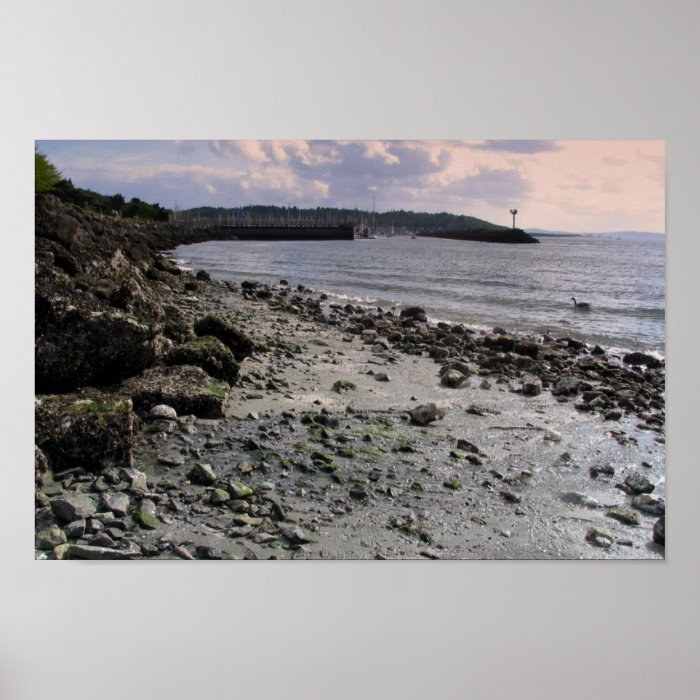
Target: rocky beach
183,417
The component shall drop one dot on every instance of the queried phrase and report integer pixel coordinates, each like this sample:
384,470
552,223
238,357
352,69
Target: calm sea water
517,287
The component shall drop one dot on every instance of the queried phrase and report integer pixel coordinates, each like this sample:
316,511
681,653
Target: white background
382,69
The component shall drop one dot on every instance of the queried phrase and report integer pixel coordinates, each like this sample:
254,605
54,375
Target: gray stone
426,413
51,537
295,535
452,378
84,551
532,386
91,433
148,506
600,537
239,490
136,478
189,390
69,508
118,503
219,497
163,411
659,533
637,483
649,504
566,386
624,515
102,539
75,529
202,473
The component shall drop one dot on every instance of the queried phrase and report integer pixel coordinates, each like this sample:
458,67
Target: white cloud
379,149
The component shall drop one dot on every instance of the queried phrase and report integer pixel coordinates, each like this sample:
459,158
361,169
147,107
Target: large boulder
639,358
240,344
92,433
189,390
210,354
81,341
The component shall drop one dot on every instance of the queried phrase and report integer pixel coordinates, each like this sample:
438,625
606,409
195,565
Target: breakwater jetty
268,232
514,235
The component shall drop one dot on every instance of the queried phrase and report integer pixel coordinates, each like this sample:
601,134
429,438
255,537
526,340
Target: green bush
46,176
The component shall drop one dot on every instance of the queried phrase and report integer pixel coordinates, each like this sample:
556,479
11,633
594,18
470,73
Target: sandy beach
348,432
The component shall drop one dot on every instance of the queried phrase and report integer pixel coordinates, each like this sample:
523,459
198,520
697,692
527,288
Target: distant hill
397,221
542,233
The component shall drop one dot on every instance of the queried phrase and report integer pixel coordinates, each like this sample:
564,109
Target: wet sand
501,476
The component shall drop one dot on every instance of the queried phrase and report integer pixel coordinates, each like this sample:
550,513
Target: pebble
163,411
202,473
600,537
624,515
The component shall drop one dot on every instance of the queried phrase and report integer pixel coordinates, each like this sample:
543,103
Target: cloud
378,149
499,188
211,189
519,146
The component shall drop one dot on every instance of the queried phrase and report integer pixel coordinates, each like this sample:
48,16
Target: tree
46,176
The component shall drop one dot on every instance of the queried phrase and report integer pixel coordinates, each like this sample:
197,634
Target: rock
381,377
649,504
437,352
69,508
426,413
81,341
42,470
51,537
202,473
659,533
552,435
566,386
639,358
219,497
452,378
532,386
463,444
637,483
171,461
605,470
240,344
117,503
136,478
343,385
359,493
244,467
246,519
84,551
295,535
189,390
414,312
210,354
600,537
511,497
90,433
528,348
75,529
207,553
146,520
624,515
453,484
579,499
163,411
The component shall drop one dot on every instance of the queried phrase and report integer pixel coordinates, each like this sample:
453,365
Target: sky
578,186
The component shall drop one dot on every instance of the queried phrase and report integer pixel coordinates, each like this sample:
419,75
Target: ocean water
525,288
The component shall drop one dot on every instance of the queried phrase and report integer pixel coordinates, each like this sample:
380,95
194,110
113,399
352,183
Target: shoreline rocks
97,277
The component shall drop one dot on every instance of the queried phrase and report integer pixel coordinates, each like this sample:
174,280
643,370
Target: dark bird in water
580,304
